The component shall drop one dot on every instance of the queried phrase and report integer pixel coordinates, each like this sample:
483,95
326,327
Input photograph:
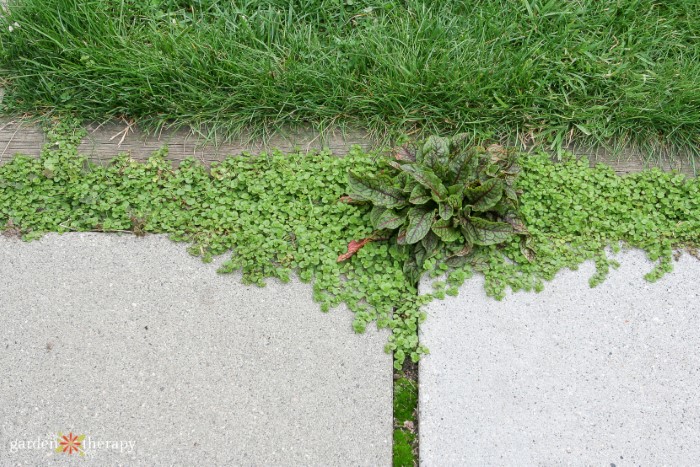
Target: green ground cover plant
277,215
545,69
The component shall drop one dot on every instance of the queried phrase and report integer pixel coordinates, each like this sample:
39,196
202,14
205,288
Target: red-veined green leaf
419,221
445,231
491,233
376,191
428,179
419,195
486,196
390,219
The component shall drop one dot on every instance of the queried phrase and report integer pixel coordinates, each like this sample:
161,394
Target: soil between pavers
570,376
132,340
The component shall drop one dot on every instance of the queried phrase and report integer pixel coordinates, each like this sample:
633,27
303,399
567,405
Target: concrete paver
158,360
570,376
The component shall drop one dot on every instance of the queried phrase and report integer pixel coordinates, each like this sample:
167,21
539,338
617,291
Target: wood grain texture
103,142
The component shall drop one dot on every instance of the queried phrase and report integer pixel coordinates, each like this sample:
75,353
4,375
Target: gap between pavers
569,376
132,339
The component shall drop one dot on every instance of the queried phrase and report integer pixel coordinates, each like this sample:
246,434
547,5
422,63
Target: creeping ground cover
364,227
548,70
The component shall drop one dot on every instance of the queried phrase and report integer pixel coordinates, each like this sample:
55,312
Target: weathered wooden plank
103,142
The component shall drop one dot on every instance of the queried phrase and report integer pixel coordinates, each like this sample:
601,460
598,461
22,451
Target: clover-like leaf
419,221
376,191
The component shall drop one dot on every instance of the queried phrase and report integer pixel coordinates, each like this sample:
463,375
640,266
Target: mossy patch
403,448
405,400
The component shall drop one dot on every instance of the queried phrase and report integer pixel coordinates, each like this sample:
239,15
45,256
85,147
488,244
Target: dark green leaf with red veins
445,211
486,196
468,230
430,242
412,271
526,248
419,195
428,179
491,233
446,231
460,142
463,167
394,164
390,219
492,170
515,222
465,251
406,152
512,170
375,214
456,190
420,254
456,261
436,152
401,236
378,192
511,194
455,201
419,221
479,258
408,184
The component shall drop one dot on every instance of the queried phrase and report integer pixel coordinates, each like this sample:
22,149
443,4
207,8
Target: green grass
625,71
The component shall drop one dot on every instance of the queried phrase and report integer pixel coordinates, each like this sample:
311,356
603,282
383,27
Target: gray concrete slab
131,340
570,376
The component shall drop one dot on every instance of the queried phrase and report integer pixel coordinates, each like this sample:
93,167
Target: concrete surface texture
160,361
570,376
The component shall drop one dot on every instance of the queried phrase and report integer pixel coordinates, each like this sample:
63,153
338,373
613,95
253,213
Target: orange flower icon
70,443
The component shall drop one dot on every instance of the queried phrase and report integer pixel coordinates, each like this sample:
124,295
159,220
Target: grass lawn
625,70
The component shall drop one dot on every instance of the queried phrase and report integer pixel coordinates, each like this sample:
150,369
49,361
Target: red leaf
353,247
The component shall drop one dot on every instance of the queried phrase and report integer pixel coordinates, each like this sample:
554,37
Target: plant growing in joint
442,199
